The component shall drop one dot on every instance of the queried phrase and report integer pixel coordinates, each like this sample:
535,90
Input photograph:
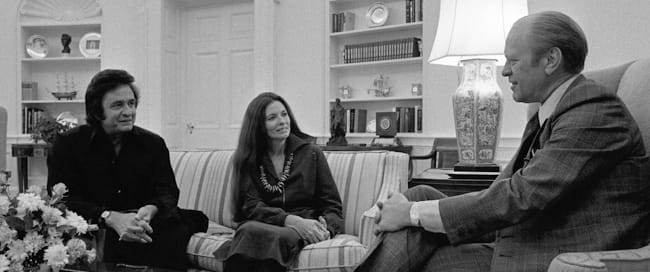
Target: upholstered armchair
631,81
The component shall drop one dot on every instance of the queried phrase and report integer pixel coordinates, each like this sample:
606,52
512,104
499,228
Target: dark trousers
167,250
414,249
259,246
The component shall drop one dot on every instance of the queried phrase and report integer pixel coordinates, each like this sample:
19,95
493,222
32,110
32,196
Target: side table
439,179
23,152
397,148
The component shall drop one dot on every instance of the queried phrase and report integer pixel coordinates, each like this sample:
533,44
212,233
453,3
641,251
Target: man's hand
394,213
129,227
147,212
310,230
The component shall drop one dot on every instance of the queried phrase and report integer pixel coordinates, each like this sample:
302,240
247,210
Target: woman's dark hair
253,140
102,83
556,29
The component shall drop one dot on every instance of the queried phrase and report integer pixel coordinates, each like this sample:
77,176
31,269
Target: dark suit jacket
587,188
98,180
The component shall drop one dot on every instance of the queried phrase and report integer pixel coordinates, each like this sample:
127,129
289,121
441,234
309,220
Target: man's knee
422,193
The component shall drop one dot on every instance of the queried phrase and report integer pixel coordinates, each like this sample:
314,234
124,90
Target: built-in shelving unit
357,77
38,76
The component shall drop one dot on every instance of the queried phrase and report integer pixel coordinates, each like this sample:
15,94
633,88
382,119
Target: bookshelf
379,52
39,77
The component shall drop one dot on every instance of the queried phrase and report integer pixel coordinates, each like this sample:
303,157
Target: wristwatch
104,216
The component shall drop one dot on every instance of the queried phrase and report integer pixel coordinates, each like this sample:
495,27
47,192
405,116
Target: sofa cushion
341,253
203,178
201,248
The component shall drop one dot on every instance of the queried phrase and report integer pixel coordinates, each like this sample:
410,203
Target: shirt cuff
426,214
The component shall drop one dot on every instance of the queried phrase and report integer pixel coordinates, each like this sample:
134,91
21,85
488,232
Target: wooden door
218,77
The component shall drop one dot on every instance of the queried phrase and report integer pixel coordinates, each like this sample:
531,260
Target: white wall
300,61
617,32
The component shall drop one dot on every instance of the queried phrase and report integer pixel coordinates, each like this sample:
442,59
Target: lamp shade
470,29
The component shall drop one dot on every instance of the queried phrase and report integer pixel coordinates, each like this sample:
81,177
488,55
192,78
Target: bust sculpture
65,41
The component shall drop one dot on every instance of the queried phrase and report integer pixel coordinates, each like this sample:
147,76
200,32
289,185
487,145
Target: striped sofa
363,177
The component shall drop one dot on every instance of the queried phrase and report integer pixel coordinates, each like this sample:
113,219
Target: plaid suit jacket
587,187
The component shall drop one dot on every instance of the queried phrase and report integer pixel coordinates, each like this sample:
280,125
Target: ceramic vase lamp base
478,104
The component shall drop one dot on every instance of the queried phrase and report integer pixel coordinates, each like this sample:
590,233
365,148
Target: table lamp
472,33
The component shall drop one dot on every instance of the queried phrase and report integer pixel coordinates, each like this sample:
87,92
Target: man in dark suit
579,182
119,176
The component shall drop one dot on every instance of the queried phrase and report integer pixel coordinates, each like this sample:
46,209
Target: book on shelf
360,120
29,90
418,119
342,21
413,10
31,116
407,118
356,120
382,50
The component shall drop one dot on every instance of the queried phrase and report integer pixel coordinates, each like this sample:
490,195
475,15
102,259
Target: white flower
76,249
33,241
92,255
51,216
4,263
74,220
16,266
59,189
35,189
4,204
56,255
17,251
30,202
6,234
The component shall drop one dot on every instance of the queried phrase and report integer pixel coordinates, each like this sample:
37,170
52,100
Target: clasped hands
394,213
133,227
309,230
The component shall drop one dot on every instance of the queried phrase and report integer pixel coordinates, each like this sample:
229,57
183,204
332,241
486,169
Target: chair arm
630,260
367,226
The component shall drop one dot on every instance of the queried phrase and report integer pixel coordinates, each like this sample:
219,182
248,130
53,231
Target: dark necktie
527,149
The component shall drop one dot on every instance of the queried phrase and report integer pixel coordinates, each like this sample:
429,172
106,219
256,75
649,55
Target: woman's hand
129,227
309,230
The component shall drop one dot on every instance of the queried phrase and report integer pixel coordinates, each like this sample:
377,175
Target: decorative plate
36,46
377,14
90,45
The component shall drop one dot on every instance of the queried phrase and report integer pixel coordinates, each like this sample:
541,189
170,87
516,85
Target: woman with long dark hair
285,195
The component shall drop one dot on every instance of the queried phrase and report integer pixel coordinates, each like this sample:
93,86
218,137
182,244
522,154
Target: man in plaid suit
580,181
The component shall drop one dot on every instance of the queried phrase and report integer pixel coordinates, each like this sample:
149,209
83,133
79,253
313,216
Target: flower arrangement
38,231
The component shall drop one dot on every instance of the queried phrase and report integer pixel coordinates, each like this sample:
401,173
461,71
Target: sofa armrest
395,180
631,260
367,226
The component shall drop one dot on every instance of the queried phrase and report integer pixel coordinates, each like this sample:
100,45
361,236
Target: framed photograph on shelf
90,45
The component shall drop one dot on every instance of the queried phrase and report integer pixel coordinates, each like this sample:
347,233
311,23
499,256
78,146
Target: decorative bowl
65,95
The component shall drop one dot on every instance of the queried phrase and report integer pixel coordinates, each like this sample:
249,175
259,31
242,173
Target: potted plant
47,127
